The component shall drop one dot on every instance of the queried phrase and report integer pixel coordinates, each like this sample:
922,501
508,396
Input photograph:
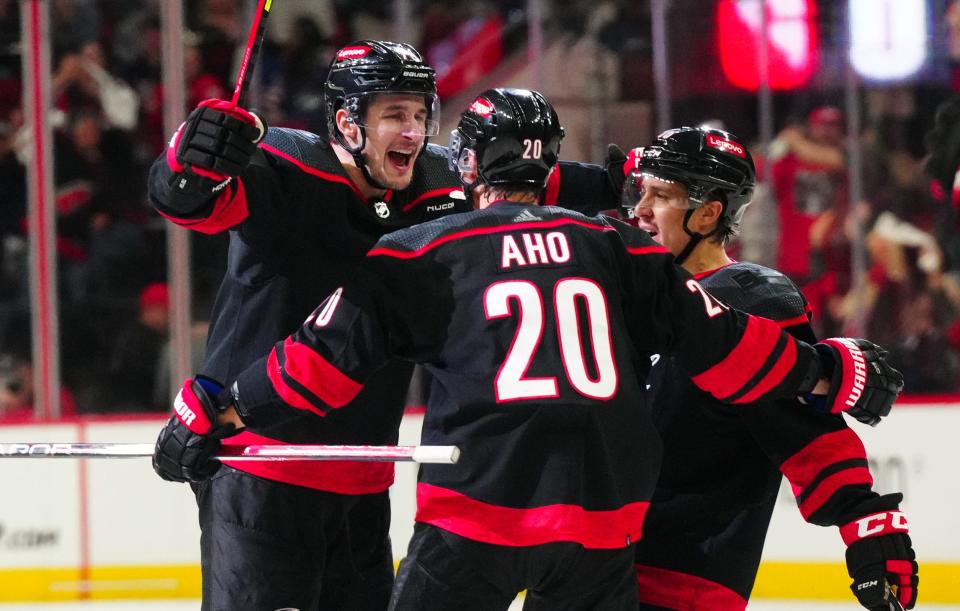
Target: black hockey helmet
365,68
710,163
507,136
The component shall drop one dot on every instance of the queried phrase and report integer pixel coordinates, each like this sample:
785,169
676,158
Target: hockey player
302,212
704,532
528,319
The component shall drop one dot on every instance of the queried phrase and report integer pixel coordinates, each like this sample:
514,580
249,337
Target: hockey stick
257,29
418,454
891,597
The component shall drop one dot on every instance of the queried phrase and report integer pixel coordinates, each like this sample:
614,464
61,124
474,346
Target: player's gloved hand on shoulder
880,556
187,443
619,165
862,382
214,144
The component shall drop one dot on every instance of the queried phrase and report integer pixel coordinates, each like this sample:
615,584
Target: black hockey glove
191,437
880,556
213,145
862,383
619,165
943,144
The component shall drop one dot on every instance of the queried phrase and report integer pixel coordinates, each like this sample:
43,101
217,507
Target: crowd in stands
108,127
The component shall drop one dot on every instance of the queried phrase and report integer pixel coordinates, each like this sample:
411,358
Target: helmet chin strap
695,238
357,154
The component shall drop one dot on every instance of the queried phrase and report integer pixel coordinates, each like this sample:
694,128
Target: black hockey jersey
529,320
299,227
721,471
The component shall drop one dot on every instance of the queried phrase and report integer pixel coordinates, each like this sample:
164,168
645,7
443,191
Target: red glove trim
634,156
171,156
229,108
854,373
875,525
189,410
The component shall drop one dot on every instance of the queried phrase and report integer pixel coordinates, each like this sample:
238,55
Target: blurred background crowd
598,64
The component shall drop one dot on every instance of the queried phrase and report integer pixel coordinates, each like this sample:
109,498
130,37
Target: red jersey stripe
647,250
314,171
828,486
339,476
318,375
804,466
676,590
411,254
428,195
796,320
497,525
727,377
289,395
776,374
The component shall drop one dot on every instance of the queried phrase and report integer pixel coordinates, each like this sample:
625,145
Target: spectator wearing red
810,184
132,365
16,390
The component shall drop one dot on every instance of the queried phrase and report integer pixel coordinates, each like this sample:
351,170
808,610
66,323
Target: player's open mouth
401,161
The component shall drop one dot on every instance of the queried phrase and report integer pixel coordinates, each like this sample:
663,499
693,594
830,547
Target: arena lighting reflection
888,38
792,41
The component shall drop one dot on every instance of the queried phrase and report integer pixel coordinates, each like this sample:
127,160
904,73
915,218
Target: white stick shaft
419,454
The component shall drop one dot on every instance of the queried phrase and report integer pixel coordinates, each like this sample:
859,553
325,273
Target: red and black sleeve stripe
828,474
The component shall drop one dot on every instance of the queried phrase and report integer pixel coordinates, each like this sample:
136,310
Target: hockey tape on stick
892,599
254,41
418,454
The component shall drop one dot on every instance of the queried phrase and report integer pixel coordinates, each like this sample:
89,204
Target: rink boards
111,529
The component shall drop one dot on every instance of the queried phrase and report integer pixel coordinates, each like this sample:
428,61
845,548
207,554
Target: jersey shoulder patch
758,290
302,148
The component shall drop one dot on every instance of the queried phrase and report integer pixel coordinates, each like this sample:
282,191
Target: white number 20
512,383
532,149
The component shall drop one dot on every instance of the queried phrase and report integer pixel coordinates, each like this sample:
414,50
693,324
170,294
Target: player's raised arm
196,182
739,358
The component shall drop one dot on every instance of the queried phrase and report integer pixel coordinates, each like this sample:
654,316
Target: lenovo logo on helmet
482,107
352,52
728,146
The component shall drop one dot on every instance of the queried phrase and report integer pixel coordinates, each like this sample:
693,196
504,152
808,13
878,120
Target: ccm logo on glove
877,524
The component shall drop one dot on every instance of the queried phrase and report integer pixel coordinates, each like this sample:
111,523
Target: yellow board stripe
776,580
100,583
829,581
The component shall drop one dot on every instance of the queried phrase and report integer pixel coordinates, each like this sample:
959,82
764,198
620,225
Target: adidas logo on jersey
525,216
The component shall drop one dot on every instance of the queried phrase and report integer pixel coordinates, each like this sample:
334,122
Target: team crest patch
382,210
